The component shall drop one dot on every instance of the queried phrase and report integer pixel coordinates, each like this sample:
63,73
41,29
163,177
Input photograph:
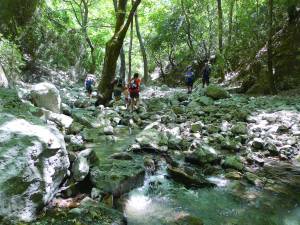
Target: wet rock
61,120
34,162
90,155
283,128
180,176
80,168
233,162
186,219
272,149
151,138
76,143
253,179
202,155
75,128
65,109
216,92
235,175
239,128
95,193
46,95
257,144
92,135
82,103
121,156
197,127
108,130
149,162
231,145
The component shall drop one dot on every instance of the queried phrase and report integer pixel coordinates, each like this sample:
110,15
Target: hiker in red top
134,91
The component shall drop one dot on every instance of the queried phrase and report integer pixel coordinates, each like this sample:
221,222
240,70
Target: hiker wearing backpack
206,74
88,83
134,91
189,78
118,86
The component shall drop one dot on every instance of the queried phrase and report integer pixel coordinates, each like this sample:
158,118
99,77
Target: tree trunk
143,49
220,34
130,52
230,21
270,79
122,73
112,50
220,25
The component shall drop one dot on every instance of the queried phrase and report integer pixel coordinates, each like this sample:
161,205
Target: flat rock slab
118,177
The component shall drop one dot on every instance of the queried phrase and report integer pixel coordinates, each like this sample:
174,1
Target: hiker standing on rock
88,83
206,74
189,78
134,91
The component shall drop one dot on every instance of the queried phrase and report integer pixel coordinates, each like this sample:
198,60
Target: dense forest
96,125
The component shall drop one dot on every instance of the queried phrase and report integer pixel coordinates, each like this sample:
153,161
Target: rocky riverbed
205,158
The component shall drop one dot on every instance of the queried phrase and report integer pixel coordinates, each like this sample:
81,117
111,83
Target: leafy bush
11,59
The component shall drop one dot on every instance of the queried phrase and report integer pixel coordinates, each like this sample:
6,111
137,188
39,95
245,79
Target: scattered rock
46,95
258,144
80,168
202,155
181,176
233,162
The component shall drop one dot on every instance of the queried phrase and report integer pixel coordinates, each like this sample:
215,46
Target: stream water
161,201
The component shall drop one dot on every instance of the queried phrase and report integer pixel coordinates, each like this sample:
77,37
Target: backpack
133,85
189,74
89,82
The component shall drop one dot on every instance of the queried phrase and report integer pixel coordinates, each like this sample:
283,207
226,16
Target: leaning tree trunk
112,50
143,49
122,72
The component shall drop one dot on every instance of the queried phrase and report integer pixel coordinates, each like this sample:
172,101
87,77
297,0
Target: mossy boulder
216,92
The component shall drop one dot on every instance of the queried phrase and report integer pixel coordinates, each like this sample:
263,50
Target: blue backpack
89,82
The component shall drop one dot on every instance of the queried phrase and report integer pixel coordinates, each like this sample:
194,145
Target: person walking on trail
134,91
118,86
189,78
88,83
206,74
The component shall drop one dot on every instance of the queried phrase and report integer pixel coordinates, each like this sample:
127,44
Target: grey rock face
33,163
3,79
47,96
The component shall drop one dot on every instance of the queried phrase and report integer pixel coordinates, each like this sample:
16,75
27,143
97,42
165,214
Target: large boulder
152,139
202,155
46,95
216,92
33,164
3,79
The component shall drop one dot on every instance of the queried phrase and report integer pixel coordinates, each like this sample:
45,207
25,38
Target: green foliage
10,58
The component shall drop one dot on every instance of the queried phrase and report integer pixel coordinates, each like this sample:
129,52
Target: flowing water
161,201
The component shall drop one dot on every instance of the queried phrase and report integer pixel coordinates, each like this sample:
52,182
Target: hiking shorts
189,82
117,93
89,89
135,95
